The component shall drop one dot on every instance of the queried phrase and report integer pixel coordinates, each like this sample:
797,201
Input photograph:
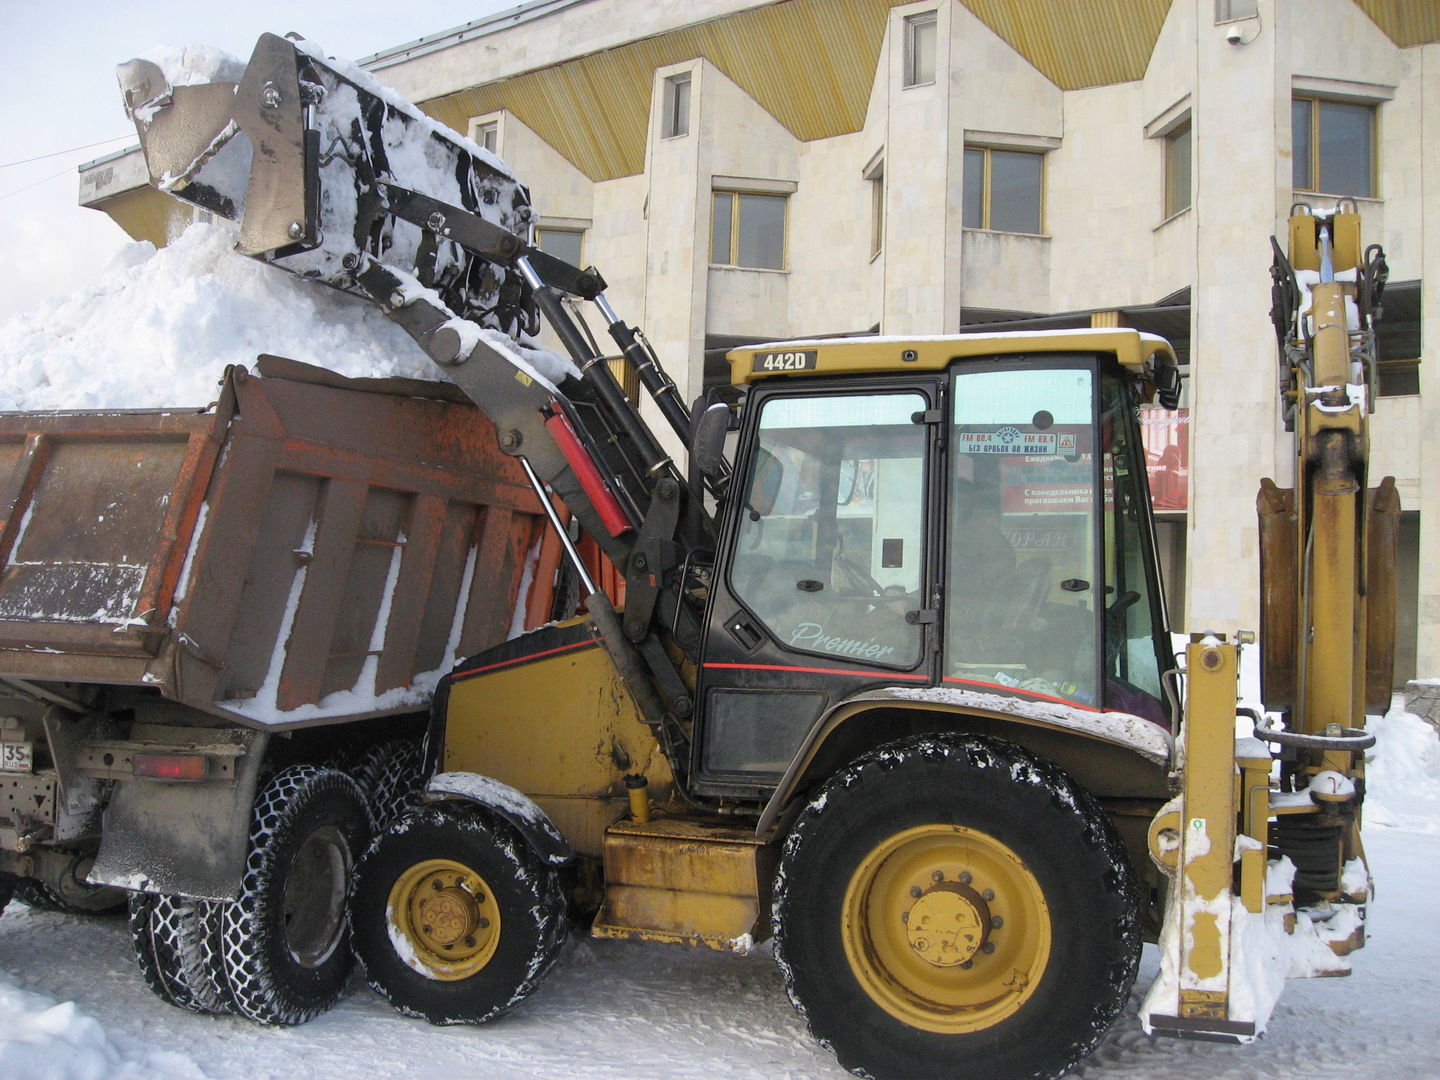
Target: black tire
281,949
167,936
78,897
508,902
1021,979
391,774
7,889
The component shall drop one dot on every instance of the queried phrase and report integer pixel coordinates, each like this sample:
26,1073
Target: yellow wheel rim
946,929
443,919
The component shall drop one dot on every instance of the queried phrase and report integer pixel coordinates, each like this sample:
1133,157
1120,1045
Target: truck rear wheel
950,906
167,936
391,773
456,919
282,948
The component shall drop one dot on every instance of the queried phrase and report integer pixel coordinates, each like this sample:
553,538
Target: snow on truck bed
162,325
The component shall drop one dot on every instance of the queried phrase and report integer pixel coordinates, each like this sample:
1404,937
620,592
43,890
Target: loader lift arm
334,179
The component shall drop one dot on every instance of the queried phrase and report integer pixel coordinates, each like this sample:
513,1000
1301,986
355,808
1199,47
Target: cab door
825,582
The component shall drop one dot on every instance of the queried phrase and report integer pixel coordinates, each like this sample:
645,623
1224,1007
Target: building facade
748,170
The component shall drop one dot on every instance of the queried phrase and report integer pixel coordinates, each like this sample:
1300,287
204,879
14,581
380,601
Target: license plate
17,756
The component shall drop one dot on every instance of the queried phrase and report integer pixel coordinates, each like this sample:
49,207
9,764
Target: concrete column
1241,179
1427,638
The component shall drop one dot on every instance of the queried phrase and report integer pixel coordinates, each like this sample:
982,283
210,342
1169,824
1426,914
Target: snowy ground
615,1010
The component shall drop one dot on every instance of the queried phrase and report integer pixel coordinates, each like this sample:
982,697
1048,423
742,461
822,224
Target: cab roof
833,356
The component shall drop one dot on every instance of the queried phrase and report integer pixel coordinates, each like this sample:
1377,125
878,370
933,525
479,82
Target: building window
1333,146
676,121
1004,189
562,243
876,179
1177,170
920,34
488,135
748,229
1233,10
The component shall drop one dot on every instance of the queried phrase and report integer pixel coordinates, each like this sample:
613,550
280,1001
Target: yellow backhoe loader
893,680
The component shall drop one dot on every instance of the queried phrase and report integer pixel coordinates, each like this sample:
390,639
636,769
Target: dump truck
892,683
207,611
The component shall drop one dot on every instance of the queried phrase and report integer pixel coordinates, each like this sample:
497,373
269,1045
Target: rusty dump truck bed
308,534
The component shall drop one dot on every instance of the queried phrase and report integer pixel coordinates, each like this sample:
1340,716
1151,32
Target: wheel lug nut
436,885
937,876
996,923
988,895
904,916
968,964
469,942
484,924
915,892
965,878
988,948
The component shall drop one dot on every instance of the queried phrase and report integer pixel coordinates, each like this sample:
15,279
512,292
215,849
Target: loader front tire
951,906
456,919
282,947
167,936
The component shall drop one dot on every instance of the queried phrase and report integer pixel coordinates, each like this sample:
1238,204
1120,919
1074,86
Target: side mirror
1167,385
707,444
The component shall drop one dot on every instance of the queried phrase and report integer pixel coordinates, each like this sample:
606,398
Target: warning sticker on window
1008,440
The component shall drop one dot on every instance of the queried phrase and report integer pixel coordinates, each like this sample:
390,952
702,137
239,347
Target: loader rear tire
455,917
951,906
167,936
282,948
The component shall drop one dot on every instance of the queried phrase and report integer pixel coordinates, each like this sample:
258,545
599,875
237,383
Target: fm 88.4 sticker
790,360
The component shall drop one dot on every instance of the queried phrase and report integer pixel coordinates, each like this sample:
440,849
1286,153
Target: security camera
1233,35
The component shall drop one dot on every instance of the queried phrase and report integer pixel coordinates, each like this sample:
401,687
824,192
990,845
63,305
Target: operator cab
957,517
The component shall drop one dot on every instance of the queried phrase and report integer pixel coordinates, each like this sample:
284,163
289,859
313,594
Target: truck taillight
170,766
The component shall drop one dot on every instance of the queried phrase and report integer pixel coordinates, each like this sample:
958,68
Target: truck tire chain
262,975
167,935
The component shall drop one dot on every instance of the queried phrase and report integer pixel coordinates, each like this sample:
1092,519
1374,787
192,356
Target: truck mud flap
181,838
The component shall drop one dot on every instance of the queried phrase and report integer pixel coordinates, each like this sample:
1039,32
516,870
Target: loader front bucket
327,172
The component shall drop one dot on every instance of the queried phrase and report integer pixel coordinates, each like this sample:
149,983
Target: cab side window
829,554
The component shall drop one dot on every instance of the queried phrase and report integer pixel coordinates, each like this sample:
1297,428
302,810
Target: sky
57,82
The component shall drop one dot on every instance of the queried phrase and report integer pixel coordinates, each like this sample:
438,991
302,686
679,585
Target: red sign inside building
1166,435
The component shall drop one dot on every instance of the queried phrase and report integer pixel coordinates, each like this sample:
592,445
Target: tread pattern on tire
546,908
391,774
167,936
40,896
1065,807
236,931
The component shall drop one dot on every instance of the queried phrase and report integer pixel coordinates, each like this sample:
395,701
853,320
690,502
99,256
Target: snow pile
1402,774
58,1042
161,326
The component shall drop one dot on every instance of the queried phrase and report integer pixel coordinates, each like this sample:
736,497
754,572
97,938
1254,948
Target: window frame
1315,103
676,97
914,24
734,194
1171,139
482,134
985,188
541,229
875,177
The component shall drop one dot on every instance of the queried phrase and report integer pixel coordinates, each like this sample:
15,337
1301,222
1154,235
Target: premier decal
812,636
